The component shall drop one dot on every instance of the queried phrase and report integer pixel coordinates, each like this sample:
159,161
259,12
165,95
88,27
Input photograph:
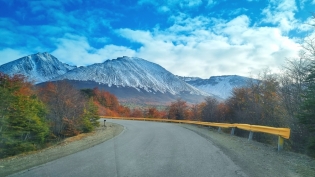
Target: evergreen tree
22,117
90,117
307,109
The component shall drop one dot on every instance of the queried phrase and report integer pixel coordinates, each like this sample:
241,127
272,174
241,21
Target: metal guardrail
282,133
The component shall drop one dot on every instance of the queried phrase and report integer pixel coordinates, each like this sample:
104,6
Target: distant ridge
221,86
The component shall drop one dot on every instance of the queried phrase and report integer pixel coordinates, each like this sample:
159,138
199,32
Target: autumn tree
209,111
22,117
195,111
152,112
107,103
66,108
106,99
178,110
223,113
136,112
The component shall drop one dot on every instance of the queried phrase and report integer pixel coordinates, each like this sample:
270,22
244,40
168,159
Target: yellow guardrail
281,132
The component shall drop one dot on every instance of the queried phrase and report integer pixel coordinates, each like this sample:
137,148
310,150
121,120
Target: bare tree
209,111
178,110
66,106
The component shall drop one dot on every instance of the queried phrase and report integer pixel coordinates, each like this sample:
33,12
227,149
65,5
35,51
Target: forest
32,117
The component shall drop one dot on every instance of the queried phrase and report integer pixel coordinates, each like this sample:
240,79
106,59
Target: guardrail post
219,130
250,137
280,143
232,131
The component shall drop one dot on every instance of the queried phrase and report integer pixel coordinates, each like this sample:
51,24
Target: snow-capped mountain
130,79
220,86
39,67
131,72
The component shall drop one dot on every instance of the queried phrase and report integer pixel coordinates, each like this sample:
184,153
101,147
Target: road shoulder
258,159
66,147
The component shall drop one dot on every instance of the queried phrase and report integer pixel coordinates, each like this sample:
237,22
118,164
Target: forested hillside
32,118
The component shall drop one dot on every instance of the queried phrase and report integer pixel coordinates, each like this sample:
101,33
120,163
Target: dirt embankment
68,146
258,159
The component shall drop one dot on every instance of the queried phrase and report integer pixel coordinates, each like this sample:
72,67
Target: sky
200,38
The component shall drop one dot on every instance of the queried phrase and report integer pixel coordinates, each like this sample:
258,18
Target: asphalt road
144,149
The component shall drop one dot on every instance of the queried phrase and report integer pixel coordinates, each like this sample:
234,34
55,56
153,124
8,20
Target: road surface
144,149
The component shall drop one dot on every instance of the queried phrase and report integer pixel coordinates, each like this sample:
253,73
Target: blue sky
187,37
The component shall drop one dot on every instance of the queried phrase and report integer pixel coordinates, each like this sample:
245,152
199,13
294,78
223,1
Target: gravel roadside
258,159
68,146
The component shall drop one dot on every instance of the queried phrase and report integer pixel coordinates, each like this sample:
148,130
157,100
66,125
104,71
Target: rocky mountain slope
132,72
40,67
221,86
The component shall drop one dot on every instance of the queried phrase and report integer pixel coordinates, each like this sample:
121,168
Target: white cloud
190,3
174,5
281,13
9,54
164,9
76,50
193,47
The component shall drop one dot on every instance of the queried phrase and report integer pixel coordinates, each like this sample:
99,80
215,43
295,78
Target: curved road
144,149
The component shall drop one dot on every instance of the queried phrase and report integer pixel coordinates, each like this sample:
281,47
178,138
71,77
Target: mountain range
220,86
131,79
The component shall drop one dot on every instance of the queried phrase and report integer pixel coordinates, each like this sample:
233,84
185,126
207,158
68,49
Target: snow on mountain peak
132,72
221,86
39,67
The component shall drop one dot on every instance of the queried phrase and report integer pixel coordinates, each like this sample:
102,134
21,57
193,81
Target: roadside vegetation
33,118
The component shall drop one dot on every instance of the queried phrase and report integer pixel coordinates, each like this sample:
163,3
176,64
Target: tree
90,117
209,111
293,85
152,112
136,113
195,111
65,108
22,115
178,110
307,112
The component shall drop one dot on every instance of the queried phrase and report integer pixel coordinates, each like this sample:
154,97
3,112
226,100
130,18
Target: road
144,149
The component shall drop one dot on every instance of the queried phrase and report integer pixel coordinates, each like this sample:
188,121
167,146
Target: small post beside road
250,136
280,143
104,123
219,130
232,131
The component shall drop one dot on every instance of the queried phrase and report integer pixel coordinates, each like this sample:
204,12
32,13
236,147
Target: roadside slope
258,159
68,146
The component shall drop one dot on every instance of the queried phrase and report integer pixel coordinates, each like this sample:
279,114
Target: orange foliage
108,104
136,113
17,84
152,112
223,112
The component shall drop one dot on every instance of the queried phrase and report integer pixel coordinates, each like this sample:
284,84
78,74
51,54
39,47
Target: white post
232,131
250,136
